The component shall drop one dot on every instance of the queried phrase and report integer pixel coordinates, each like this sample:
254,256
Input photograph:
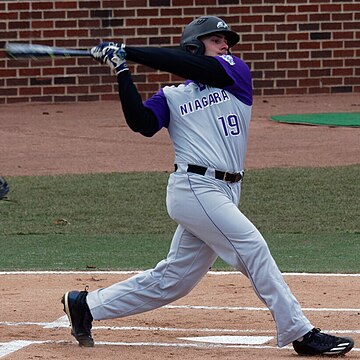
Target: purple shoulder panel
158,105
240,73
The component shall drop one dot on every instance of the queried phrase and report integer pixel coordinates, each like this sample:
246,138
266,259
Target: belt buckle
224,177
238,176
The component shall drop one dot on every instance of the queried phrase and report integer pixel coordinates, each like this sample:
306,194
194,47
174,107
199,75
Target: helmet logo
221,25
200,21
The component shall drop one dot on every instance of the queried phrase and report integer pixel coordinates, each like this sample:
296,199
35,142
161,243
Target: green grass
310,218
79,252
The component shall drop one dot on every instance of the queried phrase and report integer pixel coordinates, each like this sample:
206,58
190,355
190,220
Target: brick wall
293,47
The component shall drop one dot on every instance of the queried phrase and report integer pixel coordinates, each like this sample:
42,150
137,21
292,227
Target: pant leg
206,208
189,259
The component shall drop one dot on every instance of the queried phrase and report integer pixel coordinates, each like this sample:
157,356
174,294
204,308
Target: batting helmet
205,25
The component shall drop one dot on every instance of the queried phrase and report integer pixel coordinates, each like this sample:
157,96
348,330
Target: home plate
238,340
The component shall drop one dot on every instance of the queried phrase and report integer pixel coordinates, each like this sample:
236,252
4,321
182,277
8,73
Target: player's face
215,44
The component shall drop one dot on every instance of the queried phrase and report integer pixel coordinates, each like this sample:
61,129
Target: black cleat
79,316
4,188
317,343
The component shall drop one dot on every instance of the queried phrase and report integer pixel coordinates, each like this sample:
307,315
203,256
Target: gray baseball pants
210,225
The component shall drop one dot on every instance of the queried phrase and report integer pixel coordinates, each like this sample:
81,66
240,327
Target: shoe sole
84,342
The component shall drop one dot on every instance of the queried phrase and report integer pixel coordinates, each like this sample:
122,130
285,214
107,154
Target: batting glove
112,54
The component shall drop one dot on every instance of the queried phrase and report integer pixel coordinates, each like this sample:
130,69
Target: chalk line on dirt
247,308
63,322
49,272
12,346
7,347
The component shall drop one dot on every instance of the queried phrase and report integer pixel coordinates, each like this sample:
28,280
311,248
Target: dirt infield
92,137
32,309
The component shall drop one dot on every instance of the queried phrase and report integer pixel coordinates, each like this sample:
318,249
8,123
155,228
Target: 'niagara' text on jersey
210,99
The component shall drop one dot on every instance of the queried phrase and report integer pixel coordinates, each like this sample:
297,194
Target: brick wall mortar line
45,14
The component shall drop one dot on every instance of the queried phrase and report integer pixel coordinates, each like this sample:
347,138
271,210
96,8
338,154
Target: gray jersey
204,134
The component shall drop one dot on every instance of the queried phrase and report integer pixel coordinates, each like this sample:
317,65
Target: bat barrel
19,50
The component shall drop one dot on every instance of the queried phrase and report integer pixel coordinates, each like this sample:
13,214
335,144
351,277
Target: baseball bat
34,51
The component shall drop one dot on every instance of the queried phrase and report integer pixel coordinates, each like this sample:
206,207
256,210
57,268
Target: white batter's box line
63,322
8,348
20,323
13,346
59,323
216,273
247,308
231,340
186,330
190,345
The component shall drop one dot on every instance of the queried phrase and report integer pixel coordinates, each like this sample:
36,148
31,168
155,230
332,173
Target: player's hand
112,54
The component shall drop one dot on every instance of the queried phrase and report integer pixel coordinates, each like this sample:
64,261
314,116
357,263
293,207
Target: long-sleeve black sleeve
138,117
204,69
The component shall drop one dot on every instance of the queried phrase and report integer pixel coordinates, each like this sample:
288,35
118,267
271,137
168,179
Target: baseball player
208,119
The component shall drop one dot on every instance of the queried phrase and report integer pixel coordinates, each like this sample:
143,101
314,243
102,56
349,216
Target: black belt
220,175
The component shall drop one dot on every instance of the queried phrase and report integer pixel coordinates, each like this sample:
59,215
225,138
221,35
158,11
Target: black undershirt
203,69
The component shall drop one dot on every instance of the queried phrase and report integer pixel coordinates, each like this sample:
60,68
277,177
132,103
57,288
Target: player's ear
192,49
195,47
